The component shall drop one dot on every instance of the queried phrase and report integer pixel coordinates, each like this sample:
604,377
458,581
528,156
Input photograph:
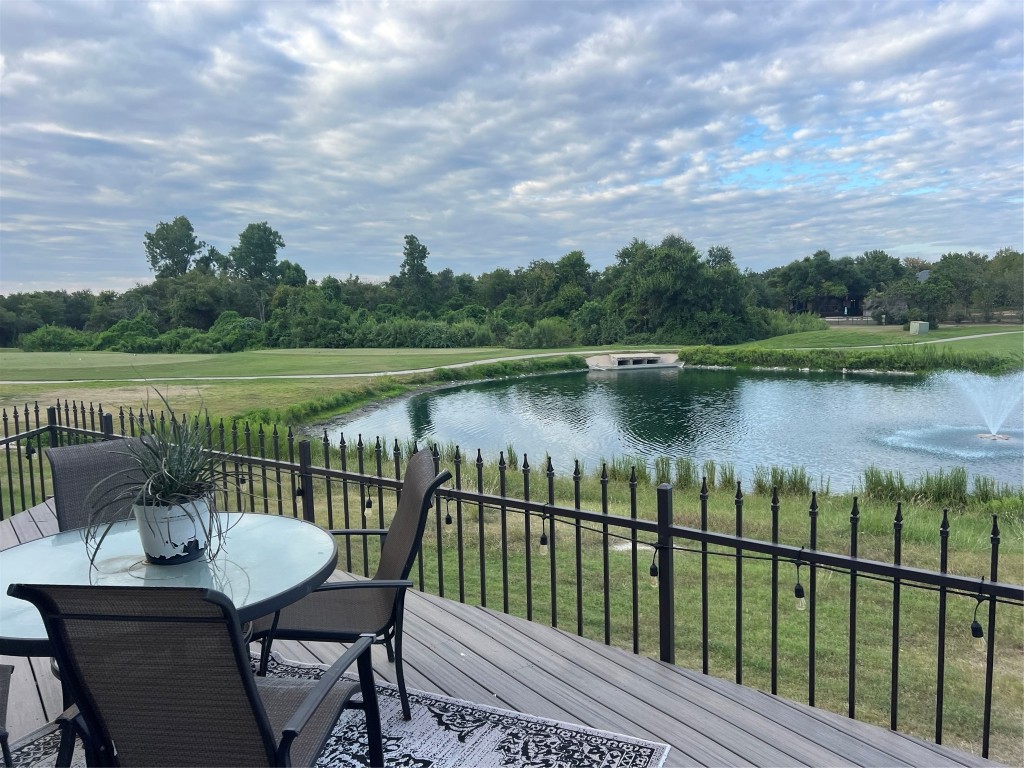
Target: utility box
918,327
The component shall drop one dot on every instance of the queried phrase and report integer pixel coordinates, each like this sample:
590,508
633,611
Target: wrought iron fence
519,548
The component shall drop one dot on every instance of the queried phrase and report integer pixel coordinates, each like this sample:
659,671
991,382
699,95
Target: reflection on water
833,426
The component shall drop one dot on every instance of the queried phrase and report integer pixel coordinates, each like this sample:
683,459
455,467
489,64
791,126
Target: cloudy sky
503,132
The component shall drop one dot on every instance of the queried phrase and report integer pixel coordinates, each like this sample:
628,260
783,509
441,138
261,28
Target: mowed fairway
224,385
119,366
994,339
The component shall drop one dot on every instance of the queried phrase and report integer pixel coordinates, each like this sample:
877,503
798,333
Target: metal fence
586,570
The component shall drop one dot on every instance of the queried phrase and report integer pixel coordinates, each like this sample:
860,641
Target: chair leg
66,721
400,673
265,644
371,710
8,761
389,648
66,747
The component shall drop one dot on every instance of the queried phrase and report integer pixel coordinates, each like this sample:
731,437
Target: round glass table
265,563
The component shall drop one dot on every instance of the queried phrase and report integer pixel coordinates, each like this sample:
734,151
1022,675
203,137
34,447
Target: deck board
483,656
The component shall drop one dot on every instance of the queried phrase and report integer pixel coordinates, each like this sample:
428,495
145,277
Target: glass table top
265,562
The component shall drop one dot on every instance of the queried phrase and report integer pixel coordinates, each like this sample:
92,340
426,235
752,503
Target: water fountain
994,398
952,432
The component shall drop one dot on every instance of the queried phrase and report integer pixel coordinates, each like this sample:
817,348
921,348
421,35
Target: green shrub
55,338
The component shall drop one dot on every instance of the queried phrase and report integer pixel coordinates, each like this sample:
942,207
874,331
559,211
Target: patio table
265,563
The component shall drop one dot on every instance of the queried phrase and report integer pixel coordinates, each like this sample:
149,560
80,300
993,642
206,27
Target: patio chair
5,692
161,676
85,479
343,611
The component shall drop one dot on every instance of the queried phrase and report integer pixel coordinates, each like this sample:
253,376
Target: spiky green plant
172,464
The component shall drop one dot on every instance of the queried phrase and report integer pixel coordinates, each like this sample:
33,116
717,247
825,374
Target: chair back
160,675
406,529
88,479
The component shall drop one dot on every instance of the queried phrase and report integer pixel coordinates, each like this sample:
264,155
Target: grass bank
902,357
992,349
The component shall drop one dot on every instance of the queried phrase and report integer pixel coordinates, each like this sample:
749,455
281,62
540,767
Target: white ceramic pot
174,534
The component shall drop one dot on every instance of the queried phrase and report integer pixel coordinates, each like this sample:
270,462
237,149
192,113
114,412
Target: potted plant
171,483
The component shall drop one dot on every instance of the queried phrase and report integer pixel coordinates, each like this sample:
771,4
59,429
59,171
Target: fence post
306,481
52,422
666,576
107,425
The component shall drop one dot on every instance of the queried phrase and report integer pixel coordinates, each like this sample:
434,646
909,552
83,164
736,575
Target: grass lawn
1009,340
218,384
120,366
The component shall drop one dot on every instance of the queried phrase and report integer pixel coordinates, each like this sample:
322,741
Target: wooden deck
482,656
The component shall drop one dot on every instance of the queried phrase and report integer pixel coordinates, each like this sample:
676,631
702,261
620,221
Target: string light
798,588
977,632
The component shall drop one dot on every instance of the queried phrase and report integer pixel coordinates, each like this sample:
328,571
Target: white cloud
502,132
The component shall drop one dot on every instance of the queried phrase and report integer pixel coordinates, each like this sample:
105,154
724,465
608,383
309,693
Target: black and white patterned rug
442,732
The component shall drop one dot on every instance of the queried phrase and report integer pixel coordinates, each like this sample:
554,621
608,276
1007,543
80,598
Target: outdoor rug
443,732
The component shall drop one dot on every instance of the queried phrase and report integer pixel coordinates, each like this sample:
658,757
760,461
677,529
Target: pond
834,426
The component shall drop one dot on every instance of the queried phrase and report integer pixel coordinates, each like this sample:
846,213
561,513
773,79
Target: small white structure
918,327
632,361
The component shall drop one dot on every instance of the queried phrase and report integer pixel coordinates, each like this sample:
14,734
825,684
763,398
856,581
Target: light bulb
798,593
979,636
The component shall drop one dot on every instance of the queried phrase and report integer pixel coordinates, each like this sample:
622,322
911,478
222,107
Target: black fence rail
864,637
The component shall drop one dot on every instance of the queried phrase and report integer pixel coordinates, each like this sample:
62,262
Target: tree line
203,300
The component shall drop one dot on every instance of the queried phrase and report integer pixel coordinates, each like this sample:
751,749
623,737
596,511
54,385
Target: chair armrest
316,696
358,532
368,584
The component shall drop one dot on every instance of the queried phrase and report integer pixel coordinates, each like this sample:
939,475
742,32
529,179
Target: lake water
834,426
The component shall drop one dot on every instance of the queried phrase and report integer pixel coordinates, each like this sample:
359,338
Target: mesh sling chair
85,480
343,611
162,676
86,483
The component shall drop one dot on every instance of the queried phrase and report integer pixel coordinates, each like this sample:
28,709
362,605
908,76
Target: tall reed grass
905,357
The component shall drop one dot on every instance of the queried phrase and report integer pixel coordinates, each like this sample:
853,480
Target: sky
500,133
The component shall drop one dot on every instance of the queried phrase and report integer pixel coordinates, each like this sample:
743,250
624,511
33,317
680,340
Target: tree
1005,278
492,288
414,282
171,248
963,272
720,256
255,256
214,259
291,274
880,269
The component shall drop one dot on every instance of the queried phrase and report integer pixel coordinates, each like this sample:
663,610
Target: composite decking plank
589,699
762,716
436,661
849,734
25,527
27,710
44,517
746,731
8,537
905,746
